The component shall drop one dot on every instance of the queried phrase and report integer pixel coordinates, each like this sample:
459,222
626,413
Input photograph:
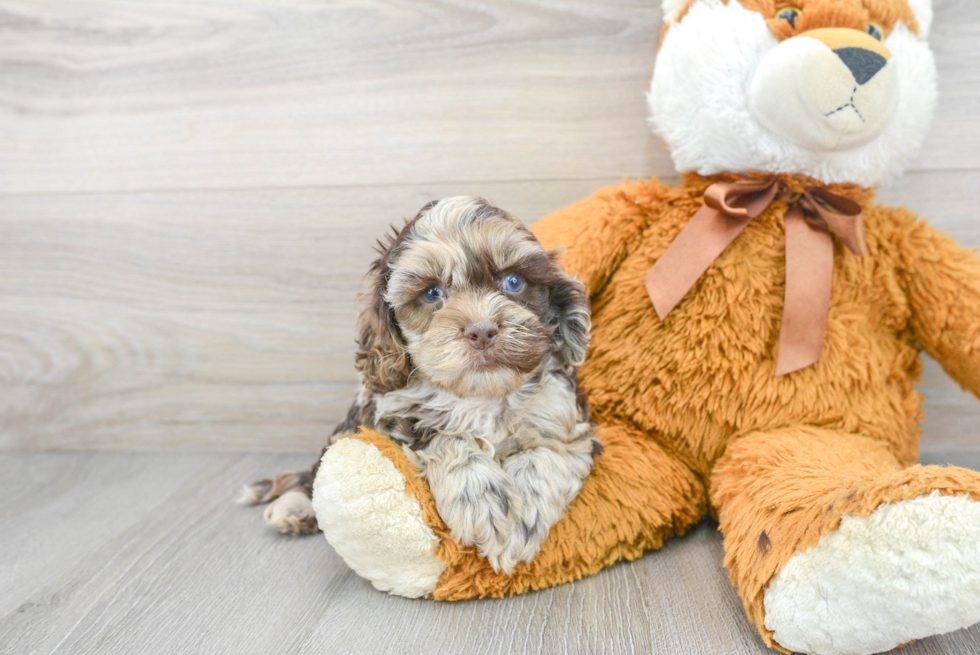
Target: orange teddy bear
764,368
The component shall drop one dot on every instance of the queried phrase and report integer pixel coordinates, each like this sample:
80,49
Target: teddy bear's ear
923,15
672,9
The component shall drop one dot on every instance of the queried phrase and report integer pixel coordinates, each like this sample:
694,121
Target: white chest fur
544,408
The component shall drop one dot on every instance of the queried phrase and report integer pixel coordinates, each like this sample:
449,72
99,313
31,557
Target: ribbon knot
812,219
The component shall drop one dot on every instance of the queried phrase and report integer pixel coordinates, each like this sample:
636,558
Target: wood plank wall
189,191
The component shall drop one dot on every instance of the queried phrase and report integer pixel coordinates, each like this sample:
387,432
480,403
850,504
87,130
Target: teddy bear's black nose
863,64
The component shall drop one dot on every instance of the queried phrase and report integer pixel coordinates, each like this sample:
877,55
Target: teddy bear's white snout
826,90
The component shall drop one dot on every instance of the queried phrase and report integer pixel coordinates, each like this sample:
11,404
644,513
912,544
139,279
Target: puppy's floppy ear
570,306
381,355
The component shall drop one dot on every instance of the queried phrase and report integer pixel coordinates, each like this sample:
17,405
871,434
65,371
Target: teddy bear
757,332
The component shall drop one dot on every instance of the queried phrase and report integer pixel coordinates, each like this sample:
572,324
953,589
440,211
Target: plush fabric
380,530
711,58
811,475
854,566
627,505
781,459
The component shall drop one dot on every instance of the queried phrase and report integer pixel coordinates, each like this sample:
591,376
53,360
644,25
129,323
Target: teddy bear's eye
788,14
875,31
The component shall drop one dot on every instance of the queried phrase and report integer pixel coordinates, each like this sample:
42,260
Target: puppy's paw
486,520
505,557
524,543
292,513
269,489
513,541
500,555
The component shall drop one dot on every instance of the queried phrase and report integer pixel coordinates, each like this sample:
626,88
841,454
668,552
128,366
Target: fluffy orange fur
855,14
693,418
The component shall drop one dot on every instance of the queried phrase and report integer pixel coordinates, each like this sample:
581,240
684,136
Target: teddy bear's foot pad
373,524
908,571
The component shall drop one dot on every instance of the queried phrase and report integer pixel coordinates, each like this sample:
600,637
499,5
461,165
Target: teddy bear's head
839,90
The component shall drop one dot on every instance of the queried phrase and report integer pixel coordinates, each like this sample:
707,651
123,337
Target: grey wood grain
262,93
104,95
146,553
210,319
224,319
61,507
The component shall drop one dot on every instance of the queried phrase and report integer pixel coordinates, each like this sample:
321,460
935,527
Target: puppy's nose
863,64
481,335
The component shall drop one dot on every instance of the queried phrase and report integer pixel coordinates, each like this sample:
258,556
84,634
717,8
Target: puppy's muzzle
481,335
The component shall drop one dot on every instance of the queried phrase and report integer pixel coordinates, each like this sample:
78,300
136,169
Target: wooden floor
122,553
189,194
190,189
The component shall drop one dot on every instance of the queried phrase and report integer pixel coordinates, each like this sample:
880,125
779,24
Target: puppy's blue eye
513,283
433,295
875,31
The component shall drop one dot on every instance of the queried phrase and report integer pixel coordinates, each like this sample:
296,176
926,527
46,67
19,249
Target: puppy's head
466,298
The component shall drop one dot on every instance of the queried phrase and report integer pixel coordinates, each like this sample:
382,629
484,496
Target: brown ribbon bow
810,220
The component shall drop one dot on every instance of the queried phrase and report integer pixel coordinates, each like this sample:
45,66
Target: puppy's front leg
473,495
546,478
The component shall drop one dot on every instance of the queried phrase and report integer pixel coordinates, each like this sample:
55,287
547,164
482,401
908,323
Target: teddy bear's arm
598,231
942,280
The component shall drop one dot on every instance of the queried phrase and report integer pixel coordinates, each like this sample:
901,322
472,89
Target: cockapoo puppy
469,346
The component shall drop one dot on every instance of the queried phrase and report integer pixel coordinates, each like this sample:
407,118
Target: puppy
468,349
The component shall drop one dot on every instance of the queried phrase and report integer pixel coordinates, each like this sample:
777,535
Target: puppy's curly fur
468,348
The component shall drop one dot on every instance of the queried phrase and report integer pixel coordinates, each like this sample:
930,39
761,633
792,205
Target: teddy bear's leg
381,518
835,548
636,496
367,501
